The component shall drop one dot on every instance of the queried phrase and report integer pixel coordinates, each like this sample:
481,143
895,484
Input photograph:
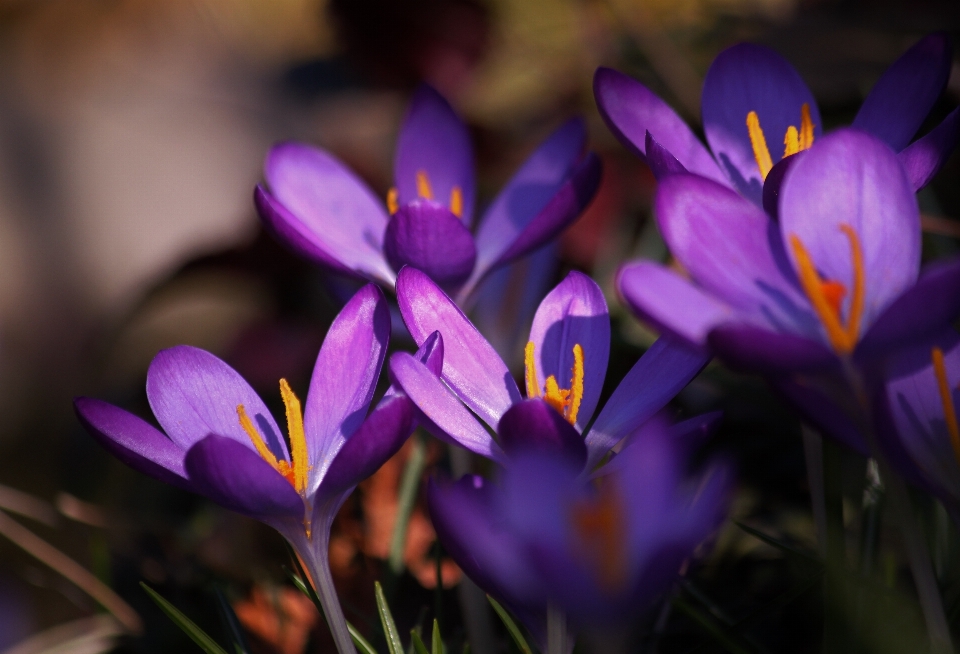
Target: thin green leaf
780,545
717,632
417,643
406,498
437,644
386,619
196,634
511,626
360,641
230,622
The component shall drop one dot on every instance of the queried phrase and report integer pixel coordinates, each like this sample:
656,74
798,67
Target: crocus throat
565,400
826,295
946,398
600,536
794,140
425,192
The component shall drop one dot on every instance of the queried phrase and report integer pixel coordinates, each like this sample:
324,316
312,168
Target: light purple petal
573,313
851,178
434,140
923,158
671,303
327,206
471,366
132,440
755,349
428,237
745,78
654,380
194,394
236,477
534,425
631,110
902,98
345,376
661,161
442,407
774,182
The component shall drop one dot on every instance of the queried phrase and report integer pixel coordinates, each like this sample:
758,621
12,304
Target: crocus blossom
220,440
754,103
315,204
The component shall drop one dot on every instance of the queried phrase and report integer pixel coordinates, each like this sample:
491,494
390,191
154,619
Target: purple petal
573,313
533,425
771,185
471,366
194,394
345,376
755,349
379,437
442,407
133,441
428,237
671,303
821,407
654,380
434,140
236,477
902,98
631,110
661,161
745,78
327,209
923,158
851,178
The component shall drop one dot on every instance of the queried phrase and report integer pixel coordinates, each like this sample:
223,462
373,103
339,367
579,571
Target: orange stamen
530,370
423,185
392,201
946,398
806,127
456,202
283,467
565,400
791,142
759,143
600,532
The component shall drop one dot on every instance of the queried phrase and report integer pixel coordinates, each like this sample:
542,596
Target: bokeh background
132,133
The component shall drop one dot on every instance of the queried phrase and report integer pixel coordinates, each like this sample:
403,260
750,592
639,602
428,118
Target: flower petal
755,349
345,376
236,477
435,141
326,206
745,78
631,110
923,158
822,409
194,394
428,237
851,178
654,380
533,425
471,366
132,440
573,313
898,103
661,161
773,183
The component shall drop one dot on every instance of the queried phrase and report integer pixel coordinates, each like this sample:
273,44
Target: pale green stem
407,496
556,631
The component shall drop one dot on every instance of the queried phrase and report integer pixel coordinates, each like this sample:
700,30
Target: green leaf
437,640
511,626
196,634
417,642
406,498
386,619
780,545
360,641
230,622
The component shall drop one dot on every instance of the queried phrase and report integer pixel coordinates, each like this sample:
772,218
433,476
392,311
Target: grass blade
230,622
780,545
196,634
386,619
511,626
437,644
417,643
407,497
361,642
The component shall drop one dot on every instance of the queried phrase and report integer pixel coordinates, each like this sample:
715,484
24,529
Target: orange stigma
423,185
946,398
826,295
456,202
565,400
392,202
794,140
600,534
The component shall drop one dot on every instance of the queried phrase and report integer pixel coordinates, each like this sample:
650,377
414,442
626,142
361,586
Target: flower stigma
599,530
794,140
826,295
565,400
425,192
946,398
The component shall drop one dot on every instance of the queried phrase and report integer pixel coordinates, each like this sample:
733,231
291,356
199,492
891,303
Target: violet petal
661,161
923,158
755,349
534,425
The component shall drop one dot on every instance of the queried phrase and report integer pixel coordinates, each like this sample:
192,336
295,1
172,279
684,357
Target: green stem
834,636
556,631
409,485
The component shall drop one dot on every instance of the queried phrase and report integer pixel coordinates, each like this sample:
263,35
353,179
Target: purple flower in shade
321,209
833,282
222,442
754,100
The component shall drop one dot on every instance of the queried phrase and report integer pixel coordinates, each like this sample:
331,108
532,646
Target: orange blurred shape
281,617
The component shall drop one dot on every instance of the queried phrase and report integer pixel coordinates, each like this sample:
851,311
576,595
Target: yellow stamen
555,396
599,527
298,439
456,201
791,142
565,400
576,384
946,398
392,201
423,185
280,466
806,127
530,370
759,143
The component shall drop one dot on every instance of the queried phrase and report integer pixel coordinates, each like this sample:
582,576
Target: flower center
425,192
294,471
946,398
793,141
826,295
599,530
565,400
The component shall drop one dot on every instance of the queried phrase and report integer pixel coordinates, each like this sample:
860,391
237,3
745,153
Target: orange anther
946,399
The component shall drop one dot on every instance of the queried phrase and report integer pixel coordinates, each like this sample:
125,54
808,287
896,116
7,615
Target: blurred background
132,133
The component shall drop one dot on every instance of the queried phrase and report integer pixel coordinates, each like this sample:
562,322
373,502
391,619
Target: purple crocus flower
321,209
754,100
833,282
222,442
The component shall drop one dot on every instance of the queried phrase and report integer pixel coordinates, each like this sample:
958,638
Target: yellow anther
806,127
826,295
946,398
565,400
423,185
600,530
282,467
791,142
530,370
392,202
456,202
298,439
759,143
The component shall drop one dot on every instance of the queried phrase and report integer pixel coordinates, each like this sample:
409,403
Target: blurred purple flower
754,100
322,210
222,442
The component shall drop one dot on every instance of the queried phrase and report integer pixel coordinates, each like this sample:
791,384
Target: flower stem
322,579
556,631
813,453
834,634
